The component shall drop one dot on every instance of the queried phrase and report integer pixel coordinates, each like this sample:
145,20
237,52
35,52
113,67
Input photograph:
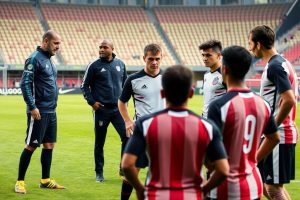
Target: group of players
170,139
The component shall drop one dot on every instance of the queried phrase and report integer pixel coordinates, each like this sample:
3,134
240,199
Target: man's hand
35,114
129,127
97,105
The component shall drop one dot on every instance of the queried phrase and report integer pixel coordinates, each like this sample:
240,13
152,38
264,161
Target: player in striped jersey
242,116
213,86
176,141
279,88
144,86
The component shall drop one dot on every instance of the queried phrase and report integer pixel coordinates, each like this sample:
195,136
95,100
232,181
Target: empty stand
20,31
188,27
83,27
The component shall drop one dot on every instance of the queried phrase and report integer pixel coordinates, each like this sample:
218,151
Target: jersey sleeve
127,91
271,126
214,114
85,86
216,149
279,77
31,66
137,143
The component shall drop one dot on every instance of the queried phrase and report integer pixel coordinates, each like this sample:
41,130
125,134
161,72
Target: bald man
101,87
40,92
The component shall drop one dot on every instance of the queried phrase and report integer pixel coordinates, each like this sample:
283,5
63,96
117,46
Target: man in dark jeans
101,87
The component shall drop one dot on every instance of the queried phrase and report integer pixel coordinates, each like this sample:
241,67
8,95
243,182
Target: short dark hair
238,61
48,35
264,35
153,48
216,45
177,83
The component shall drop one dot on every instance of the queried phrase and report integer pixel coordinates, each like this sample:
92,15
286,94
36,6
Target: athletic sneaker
20,187
99,177
51,184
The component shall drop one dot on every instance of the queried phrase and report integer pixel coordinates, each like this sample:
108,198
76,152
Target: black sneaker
99,177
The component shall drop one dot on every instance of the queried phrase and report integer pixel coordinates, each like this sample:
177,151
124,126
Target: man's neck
268,54
154,73
215,67
235,84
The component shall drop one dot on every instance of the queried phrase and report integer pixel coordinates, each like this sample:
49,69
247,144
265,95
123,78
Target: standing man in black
40,92
101,87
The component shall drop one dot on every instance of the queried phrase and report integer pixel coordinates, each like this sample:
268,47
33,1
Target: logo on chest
215,81
144,86
118,68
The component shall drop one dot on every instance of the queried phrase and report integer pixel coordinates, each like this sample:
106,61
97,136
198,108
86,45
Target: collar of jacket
46,53
105,60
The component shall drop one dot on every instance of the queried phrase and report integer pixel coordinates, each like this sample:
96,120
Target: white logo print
268,177
35,142
118,68
61,91
30,67
103,70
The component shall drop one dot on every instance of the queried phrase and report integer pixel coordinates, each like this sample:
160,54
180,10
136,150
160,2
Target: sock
24,163
46,159
126,190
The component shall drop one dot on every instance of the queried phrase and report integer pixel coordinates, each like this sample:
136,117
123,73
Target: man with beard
40,92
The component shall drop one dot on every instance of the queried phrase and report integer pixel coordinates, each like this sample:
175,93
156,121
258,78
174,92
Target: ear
192,92
258,45
144,58
162,93
46,40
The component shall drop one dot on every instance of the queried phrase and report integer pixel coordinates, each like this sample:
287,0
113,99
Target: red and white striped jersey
176,142
279,76
242,117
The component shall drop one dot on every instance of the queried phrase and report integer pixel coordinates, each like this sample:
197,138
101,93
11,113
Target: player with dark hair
279,88
176,141
213,86
144,86
243,117
101,87
40,93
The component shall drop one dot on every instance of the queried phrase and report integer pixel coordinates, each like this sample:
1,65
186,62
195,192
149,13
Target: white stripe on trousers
30,130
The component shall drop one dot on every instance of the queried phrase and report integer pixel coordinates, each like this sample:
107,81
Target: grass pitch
73,163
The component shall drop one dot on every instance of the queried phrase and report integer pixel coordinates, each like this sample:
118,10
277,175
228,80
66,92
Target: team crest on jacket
215,81
118,68
30,67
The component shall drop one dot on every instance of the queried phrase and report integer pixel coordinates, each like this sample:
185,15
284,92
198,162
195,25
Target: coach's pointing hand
35,113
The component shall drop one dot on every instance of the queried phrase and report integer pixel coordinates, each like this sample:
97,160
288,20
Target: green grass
73,163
